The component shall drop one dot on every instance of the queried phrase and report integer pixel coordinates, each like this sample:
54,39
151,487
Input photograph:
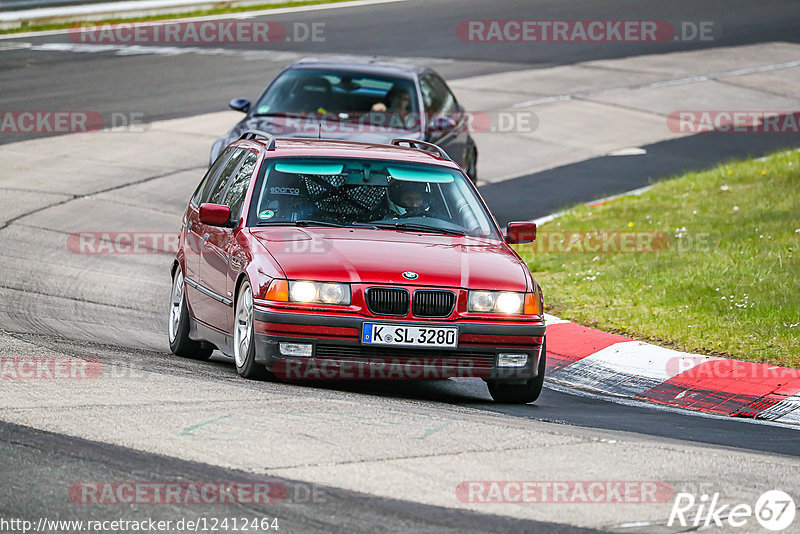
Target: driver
398,100
409,199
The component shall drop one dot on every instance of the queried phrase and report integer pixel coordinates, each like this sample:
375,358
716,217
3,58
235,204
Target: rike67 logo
774,510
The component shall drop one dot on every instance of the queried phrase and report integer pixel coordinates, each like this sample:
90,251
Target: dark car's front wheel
244,347
179,342
520,393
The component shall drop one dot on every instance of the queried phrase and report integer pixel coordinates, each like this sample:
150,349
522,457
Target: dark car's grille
387,301
433,303
480,360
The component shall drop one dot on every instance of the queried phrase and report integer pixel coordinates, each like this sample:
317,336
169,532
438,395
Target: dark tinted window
211,176
338,96
431,96
237,187
449,103
216,188
436,95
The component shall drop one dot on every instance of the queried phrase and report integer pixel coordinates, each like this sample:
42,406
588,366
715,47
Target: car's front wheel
529,391
179,342
244,347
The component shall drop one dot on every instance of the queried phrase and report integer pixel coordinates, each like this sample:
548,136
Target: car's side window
214,193
211,177
431,98
237,187
449,103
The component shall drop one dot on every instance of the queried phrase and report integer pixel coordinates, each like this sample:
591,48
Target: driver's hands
378,106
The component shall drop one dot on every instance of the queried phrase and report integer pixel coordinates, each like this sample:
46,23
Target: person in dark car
398,99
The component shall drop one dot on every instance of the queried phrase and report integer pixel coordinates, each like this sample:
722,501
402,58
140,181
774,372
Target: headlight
507,302
482,301
319,292
303,291
332,293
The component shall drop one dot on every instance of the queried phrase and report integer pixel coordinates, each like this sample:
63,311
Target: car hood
381,256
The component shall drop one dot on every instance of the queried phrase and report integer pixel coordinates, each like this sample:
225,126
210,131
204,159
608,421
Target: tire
520,393
178,328
244,347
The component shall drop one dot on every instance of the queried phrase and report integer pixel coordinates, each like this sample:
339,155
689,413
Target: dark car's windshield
350,97
369,193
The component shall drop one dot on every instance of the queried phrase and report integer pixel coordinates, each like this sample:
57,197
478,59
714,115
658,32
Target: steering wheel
410,214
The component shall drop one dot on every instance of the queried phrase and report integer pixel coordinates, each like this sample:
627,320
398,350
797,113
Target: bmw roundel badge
410,275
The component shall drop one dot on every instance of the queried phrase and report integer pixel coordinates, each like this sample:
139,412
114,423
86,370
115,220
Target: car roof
351,149
360,64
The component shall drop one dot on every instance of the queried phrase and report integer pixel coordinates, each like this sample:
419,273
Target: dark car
320,259
359,100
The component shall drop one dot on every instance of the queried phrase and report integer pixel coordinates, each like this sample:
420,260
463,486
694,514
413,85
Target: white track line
224,16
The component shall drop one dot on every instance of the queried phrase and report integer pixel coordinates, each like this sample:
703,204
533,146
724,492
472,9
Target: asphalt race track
382,457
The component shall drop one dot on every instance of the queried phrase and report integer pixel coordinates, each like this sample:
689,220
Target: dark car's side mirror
215,214
521,232
240,104
441,123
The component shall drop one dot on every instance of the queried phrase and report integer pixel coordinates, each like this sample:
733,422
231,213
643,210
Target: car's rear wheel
179,342
244,347
505,393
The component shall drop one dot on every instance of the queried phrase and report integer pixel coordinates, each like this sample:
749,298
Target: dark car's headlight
306,291
505,302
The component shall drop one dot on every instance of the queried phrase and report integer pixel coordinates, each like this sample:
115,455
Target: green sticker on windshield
266,214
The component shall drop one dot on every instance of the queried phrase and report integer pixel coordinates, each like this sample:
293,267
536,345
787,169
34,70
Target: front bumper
338,353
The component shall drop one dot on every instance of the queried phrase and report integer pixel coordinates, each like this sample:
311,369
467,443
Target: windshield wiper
311,222
301,222
276,114
419,228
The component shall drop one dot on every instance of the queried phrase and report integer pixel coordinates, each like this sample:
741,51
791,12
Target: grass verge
166,16
712,262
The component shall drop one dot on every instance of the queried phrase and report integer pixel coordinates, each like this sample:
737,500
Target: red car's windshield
361,192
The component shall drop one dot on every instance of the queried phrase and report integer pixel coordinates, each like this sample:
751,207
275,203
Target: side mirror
521,232
240,104
214,214
441,123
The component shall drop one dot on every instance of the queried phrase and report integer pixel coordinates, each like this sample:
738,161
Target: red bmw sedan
313,259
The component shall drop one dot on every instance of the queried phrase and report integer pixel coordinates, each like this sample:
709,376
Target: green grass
727,282
166,16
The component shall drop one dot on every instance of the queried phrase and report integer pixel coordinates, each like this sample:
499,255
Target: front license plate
411,336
